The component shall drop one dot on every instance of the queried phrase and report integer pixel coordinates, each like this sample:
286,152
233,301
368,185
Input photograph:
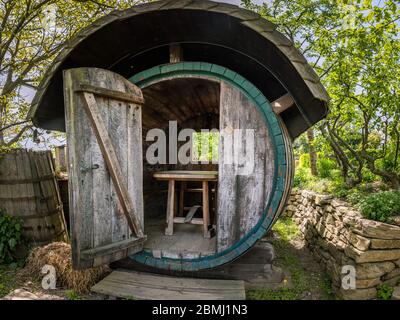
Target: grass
290,259
6,281
286,229
72,295
10,278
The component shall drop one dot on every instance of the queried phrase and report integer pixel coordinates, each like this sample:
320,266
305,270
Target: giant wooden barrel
204,65
29,191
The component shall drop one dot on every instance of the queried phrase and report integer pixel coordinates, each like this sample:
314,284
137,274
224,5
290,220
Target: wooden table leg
214,219
206,210
182,197
169,231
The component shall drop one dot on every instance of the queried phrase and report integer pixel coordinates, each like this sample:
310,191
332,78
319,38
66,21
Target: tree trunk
340,156
2,108
313,153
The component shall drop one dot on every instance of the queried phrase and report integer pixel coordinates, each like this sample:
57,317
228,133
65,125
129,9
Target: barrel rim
277,134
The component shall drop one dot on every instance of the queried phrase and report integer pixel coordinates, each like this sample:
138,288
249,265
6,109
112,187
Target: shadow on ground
304,277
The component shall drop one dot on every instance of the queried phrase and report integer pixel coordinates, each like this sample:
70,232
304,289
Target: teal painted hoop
219,73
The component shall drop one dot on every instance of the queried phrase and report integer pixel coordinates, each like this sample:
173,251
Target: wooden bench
205,177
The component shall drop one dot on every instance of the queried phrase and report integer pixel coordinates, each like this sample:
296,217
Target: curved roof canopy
133,40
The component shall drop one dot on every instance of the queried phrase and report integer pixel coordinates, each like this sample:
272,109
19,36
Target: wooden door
244,184
104,133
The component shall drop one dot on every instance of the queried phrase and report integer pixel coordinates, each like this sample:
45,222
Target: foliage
380,206
72,295
10,237
286,229
355,48
326,167
301,280
302,177
7,281
354,196
304,161
384,292
205,146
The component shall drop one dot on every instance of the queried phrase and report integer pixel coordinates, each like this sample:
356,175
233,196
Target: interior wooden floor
186,242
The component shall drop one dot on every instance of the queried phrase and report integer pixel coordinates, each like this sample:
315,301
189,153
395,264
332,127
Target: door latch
85,168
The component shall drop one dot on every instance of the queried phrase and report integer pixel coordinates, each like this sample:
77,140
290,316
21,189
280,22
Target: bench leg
169,231
206,210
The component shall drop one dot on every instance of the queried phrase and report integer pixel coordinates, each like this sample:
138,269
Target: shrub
10,237
304,161
355,196
325,167
368,176
320,185
385,292
336,175
301,177
381,206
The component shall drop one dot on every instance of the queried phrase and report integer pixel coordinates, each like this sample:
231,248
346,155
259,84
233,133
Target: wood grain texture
283,103
165,102
169,231
28,190
110,156
181,175
242,198
96,212
146,286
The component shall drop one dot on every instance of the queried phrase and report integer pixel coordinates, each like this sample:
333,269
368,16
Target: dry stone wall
338,236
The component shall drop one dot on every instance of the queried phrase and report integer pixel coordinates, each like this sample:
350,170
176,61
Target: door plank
145,286
242,195
114,247
111,159
114,94
97,217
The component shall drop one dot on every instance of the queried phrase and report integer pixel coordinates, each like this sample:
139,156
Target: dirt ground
16,284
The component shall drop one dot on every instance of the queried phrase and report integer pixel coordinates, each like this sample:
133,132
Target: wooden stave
41,214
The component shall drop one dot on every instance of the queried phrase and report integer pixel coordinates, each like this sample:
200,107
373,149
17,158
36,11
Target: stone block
359,242
371,255
392,282
396,294
394,273
290,208
337,203
322,199
374,270
358,294
367,283
385,244
380,230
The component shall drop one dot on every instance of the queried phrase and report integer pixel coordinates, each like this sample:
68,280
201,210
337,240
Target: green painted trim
218,73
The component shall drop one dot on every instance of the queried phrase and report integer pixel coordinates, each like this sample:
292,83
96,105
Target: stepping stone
396,293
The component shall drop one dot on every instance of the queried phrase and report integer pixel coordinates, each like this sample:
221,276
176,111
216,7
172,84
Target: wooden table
205,177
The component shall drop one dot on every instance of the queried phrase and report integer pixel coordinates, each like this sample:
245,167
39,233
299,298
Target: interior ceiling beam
282,103
175,53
